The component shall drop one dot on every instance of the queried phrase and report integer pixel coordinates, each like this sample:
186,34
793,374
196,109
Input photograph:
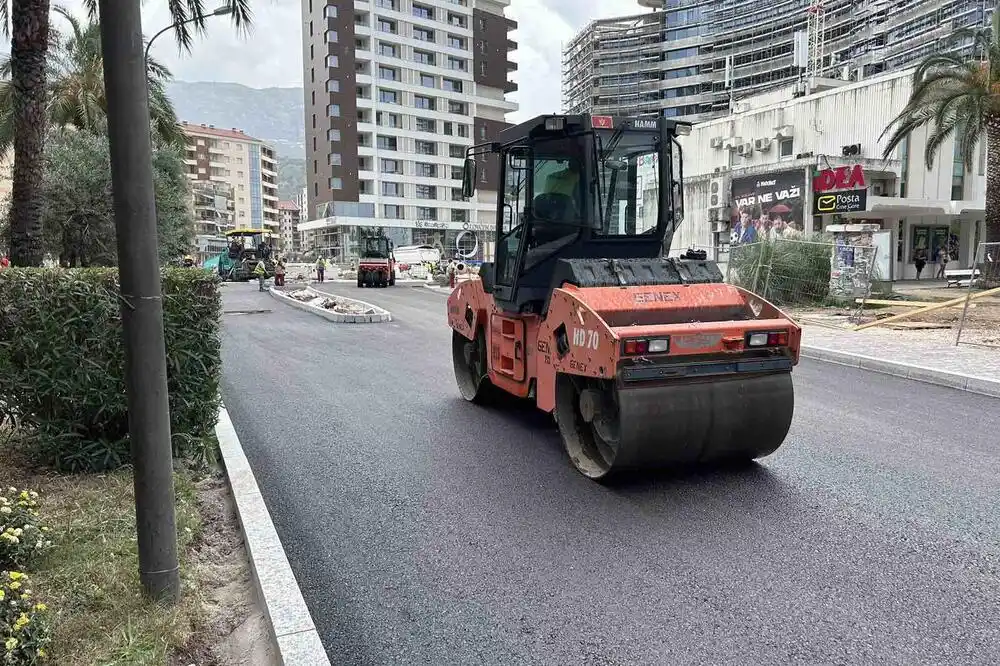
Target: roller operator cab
645,361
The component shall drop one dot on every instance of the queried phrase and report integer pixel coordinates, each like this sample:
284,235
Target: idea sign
841,178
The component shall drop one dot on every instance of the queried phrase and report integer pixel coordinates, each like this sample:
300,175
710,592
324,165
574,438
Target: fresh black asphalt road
425,530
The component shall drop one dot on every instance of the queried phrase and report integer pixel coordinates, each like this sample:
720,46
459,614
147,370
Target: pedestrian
320,268
919,261
279,272
942,261
260,270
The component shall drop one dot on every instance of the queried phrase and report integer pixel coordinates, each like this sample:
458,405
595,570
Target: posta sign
841,178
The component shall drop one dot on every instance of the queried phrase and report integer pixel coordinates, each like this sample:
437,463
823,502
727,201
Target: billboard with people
766,206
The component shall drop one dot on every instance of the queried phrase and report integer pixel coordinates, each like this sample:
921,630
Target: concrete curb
918,373
287,614
381,316
444,291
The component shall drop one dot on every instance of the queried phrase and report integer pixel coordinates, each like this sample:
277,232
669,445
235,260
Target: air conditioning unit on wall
744,149
718,193
762,145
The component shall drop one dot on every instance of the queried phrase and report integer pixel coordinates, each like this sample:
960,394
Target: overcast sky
272,54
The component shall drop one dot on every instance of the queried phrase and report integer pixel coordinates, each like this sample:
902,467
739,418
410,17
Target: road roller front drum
607,429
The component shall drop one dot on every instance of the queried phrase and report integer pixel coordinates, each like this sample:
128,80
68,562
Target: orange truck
646,361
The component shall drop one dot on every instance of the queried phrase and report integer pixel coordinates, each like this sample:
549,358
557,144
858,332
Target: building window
457,152
391,166
333,85
423,57
458,108
448,129
459,215
456,173
457,64
482,132
482,46
421,102
336,159
423,34
313,96
336,184
330,11
392,189
388,50
425,170
392,212
426,192
388,96
427,81
427,213
451,85
387,26
786,147
333,110
388,73
426,125
425,147
331,37
332,61
387,4
423,12
456,42
333,135
482,68
463,131
386,142
456,20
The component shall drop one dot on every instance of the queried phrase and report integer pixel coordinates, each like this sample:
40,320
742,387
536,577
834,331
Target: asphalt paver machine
645,361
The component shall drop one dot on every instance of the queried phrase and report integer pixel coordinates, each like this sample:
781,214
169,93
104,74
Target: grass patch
90,579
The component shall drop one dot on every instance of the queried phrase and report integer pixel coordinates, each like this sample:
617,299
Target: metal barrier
983,278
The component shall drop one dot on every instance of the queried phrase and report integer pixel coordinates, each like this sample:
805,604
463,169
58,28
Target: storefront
924,226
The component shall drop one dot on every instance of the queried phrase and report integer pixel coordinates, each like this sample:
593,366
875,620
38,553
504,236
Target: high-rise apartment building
291,243
246,164
213,208
395,92
712,53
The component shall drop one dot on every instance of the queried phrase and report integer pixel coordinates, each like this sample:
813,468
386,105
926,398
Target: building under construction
695,59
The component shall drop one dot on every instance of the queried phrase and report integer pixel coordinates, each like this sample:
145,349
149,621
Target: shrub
22,538
63,363
24,627
784,271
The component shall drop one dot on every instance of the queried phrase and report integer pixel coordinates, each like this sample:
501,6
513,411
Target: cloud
271,55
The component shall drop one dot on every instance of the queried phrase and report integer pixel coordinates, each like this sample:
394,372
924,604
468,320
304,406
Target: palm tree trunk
991,265
29,44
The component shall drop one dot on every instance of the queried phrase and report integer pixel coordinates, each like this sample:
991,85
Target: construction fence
979,324
805,276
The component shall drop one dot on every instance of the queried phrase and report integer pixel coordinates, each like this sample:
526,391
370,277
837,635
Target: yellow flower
22,621
2,594
10,644
16,575
41,607
14,585
42,653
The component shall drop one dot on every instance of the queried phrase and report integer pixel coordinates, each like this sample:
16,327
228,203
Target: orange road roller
646,361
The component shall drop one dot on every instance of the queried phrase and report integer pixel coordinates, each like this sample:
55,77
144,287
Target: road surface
425,530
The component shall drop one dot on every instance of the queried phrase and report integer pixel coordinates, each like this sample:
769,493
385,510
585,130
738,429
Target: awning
879,207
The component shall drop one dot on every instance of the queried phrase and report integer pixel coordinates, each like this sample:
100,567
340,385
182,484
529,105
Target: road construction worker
260,270
279,272
320,268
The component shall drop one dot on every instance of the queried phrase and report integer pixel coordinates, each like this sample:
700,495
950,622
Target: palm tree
955,96
76,98
28,24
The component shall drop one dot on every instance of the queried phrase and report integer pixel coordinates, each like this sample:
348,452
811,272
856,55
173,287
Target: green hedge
62,362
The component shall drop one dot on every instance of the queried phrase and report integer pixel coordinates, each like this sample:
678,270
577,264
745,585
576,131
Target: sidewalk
927,356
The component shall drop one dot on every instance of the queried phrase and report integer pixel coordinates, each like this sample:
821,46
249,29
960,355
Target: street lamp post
126,86
221,11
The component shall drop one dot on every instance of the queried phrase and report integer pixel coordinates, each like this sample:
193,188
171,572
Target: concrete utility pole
142,302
